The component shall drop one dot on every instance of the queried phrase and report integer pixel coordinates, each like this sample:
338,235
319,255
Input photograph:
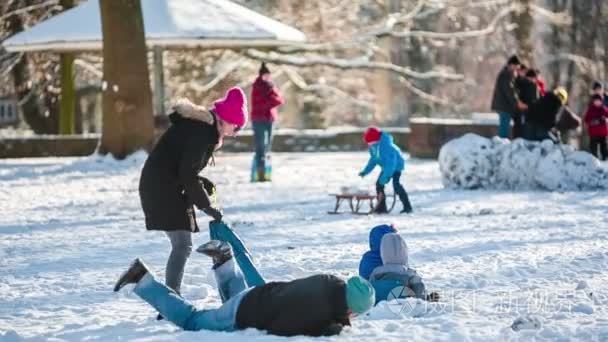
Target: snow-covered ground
70,226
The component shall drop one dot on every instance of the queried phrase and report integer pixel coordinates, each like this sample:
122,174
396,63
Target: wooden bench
355,202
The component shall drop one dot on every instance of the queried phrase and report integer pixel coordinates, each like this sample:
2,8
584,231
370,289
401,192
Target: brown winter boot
219,251
132,275
381,206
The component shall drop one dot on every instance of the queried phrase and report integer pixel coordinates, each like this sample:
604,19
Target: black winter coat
313,306
505,96
527,90
169,187
543,113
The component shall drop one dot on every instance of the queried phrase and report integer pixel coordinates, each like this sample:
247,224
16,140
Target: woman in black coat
169,185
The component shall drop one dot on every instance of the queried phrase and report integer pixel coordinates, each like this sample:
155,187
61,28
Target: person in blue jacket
372,259
394,278
385,153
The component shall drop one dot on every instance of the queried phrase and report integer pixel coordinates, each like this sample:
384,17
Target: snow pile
472,162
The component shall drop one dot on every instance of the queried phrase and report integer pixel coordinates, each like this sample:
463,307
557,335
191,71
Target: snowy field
70,226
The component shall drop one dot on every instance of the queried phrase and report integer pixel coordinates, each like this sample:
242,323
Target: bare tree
522,17
127,100
37,96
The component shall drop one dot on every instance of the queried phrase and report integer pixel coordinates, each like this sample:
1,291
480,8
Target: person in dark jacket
320,305
596,119
265,98
505,100
169,186
540,83
528,93
542,116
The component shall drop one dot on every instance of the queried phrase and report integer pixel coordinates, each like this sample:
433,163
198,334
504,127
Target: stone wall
48,146
428,135
422,140
313,140
336,139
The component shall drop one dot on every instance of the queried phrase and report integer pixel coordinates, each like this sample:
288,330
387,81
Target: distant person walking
596,119
505,100
265,98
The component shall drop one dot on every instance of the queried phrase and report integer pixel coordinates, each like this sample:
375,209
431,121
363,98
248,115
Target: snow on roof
170,23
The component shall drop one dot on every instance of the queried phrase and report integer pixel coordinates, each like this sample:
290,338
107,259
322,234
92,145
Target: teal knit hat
360,295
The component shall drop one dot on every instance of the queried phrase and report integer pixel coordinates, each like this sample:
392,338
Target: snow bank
472,162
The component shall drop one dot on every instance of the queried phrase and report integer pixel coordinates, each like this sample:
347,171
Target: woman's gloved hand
216,214
207,185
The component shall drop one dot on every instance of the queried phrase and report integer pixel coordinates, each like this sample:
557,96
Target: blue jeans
183,314
262,132
504,125
220,231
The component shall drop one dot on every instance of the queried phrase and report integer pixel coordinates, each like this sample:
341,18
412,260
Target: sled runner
355,202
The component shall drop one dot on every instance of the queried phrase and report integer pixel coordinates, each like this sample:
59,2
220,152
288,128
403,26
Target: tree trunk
556,44
523,32
573,36
67,120
128,123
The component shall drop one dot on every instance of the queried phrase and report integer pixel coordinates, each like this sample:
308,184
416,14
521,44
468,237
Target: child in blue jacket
385,153
372,259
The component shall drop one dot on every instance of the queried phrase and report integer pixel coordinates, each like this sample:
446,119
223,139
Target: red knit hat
233,107
372,135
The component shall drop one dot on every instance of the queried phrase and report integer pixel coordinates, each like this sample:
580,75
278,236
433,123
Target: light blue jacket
386,154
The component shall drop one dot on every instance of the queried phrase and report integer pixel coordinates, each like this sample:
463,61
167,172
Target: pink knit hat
233,107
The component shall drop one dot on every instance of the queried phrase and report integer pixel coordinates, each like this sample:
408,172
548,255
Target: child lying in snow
385,153
393,271
314,306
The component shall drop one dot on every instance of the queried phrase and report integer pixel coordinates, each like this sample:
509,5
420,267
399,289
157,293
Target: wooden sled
355,202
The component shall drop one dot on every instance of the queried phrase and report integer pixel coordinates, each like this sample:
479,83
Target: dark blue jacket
371,259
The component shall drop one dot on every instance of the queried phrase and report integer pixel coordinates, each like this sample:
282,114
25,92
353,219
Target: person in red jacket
265,98
540,82
596,119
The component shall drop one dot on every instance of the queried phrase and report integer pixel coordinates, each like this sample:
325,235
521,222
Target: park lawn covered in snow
70,226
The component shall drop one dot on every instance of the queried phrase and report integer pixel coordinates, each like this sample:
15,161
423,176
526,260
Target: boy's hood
393,250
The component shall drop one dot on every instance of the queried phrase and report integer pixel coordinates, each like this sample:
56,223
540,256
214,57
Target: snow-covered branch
219,77
423,94
301,84
584,64
321,47
348,64
559,18
49,3
5,70
90,68
451,35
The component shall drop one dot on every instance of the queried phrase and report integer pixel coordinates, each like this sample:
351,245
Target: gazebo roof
168,23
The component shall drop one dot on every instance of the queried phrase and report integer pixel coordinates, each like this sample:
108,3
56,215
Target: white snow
472,162
70,226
